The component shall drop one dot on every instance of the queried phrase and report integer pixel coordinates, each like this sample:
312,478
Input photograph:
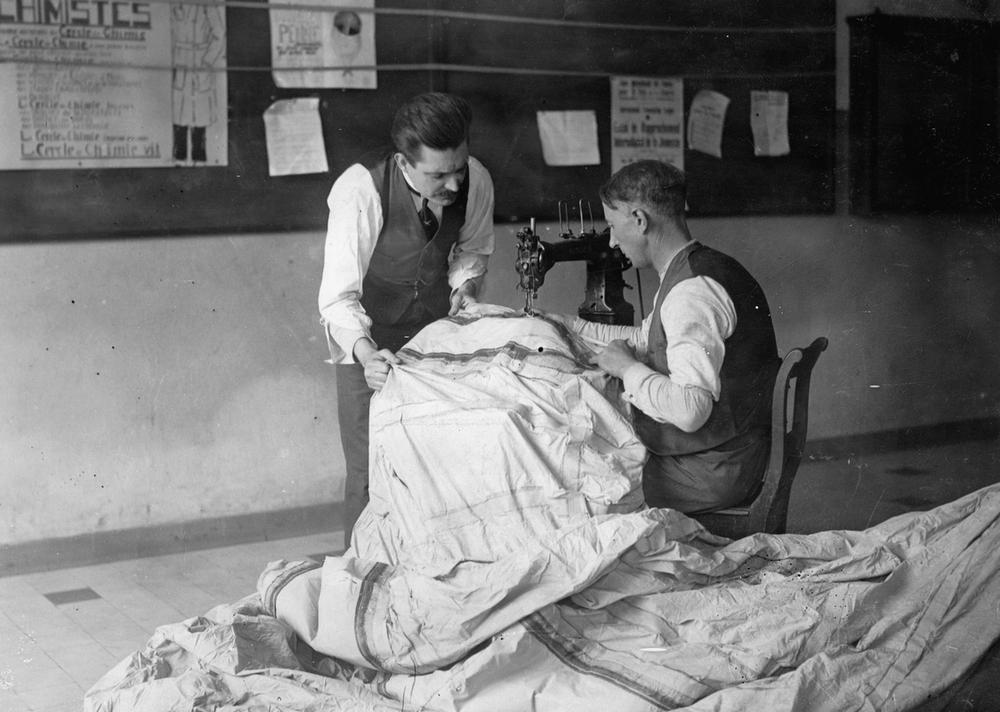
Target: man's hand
377,362
463,297
616,357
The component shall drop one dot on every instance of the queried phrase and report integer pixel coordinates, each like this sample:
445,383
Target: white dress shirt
697,316
352,231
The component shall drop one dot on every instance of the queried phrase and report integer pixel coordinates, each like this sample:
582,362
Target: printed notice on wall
769,121
705,122
294,136
321,48
647,120
111,84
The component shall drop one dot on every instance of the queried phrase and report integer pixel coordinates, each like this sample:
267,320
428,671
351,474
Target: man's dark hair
436,120
657,185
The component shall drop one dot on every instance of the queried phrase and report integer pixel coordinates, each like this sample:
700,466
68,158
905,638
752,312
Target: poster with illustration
323,48
112,84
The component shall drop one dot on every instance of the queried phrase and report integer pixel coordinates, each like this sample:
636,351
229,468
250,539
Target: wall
730,49
159,381
147,381
970,10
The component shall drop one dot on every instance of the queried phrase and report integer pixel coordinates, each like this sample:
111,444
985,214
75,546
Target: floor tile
53,637
75,706
73,595
13,588
28,679
60,579
121,650
52,696
141,606
83,663
10,702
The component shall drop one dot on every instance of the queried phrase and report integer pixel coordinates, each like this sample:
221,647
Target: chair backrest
768,511
789,424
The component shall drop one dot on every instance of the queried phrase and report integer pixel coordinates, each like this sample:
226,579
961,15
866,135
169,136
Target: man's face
626,235
437,175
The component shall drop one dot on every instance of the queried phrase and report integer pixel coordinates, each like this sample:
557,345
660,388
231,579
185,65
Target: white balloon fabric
506,562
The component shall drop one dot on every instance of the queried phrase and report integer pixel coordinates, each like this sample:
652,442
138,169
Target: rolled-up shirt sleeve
353,227
698,316
599,335
476,239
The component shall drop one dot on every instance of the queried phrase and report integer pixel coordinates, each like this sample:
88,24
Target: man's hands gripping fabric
377,362
464,296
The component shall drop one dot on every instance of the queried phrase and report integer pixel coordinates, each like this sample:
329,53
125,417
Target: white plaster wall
161,380
157,381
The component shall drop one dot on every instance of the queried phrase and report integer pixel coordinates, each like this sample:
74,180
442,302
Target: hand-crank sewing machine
604,300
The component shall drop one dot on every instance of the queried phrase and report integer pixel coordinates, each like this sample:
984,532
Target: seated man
700,369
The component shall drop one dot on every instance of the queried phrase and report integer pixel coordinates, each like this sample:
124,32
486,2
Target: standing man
407,242
700,369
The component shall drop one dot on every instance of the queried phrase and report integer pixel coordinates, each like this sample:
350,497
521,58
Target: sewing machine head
603,299
528,263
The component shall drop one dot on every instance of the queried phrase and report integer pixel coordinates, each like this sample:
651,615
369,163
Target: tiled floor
61,630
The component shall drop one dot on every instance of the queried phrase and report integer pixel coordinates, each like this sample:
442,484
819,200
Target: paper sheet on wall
112,85
706,120
647,120
569,138
319,49
294,137
769,121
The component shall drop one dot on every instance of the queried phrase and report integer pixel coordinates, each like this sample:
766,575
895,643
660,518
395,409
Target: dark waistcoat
748,369
407,280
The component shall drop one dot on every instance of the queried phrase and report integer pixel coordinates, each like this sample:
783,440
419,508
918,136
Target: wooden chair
767,511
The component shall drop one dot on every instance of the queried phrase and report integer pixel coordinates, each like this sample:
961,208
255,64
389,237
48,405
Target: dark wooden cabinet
923,115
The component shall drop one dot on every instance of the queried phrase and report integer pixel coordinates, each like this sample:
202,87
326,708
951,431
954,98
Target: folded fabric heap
506,562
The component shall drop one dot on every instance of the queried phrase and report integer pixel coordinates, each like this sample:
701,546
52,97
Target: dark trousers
353,399
198,152
713,479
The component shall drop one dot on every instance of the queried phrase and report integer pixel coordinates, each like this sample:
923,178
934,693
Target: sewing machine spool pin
585,213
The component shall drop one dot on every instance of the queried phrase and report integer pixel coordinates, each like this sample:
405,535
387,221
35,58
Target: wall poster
647,120
321,48
112,84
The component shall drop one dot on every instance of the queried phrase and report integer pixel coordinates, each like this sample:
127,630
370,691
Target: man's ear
641,218
400,159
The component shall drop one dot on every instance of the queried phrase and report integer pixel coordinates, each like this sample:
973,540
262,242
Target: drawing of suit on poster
198,37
